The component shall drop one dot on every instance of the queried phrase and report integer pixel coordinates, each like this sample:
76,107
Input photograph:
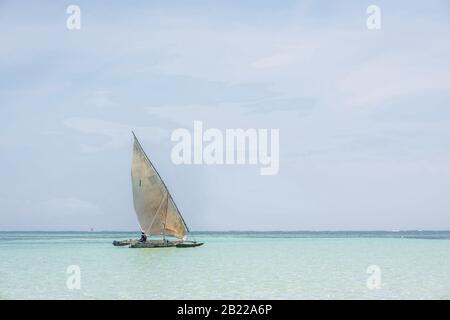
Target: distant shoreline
235,231
380,234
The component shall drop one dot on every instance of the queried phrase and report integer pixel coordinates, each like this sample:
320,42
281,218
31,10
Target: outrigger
156,211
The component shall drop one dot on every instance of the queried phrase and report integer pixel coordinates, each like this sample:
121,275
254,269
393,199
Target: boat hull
156,244
122,243
189,244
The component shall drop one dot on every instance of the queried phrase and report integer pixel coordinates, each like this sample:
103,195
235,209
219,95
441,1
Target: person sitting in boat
143,237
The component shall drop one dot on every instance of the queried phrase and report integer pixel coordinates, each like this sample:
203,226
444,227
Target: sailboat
157,213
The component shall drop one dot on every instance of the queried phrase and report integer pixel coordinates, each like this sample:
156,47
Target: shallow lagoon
231,265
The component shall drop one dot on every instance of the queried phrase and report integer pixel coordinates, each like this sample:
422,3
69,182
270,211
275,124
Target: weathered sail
157,213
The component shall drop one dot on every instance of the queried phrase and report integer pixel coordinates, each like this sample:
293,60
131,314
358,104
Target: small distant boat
156,211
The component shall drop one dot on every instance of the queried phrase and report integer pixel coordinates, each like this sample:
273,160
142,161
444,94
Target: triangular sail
155,209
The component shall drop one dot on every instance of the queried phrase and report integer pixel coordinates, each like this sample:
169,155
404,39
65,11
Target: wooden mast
165,217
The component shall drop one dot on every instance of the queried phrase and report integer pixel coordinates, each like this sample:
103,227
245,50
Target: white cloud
69,206
378,80
118,134
350,66
283,59
101,99
391,168
4,140
228,115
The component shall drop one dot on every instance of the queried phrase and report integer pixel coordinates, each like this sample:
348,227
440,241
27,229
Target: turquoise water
297,265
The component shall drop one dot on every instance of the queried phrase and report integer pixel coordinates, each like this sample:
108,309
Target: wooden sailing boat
156,211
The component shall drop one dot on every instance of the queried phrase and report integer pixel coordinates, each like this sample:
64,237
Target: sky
363,115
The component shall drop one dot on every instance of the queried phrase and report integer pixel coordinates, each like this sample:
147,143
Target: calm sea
231,265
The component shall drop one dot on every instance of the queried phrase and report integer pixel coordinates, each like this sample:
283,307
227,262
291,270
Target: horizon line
241,231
